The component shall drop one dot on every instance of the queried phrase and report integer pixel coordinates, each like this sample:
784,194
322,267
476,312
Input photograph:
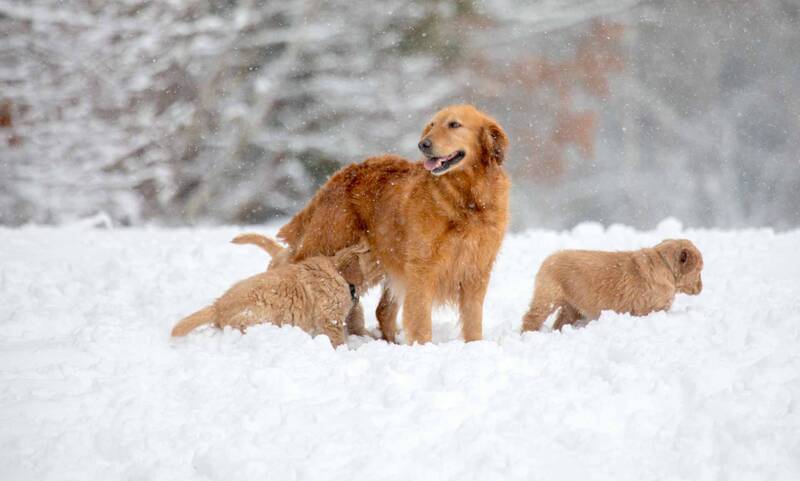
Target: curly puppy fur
281,256
435,225
583,283
313,295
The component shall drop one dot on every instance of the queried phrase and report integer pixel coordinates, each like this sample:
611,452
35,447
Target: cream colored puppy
316,295
583,283
281,256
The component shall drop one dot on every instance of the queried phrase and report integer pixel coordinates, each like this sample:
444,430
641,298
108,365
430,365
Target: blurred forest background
234,111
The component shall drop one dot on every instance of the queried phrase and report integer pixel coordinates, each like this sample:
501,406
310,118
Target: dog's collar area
353,295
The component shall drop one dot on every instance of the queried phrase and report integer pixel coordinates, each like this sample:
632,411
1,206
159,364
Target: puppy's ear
494,142
687,260
350,270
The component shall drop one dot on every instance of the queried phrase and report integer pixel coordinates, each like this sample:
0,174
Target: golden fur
435,226
583,283
281,256
313,295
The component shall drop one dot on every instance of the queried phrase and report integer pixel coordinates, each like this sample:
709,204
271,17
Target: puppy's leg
542,305
417,307
355,321
470,310
536,315
547,297
387,315
567,315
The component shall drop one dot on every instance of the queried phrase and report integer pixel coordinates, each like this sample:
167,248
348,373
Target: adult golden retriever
435,226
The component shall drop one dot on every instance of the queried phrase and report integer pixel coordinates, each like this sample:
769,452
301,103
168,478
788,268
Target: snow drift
92,387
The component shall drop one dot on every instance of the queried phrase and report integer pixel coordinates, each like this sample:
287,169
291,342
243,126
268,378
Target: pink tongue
431,164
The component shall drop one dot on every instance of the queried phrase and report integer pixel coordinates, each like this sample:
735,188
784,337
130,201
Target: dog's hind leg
544,303
547,297
535,317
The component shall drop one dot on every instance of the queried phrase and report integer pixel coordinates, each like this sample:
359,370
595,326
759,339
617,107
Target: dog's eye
454,125
684,257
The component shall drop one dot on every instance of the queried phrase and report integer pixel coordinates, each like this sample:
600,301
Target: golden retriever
315,295
435,225
583,283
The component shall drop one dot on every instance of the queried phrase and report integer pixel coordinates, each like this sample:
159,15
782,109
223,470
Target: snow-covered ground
93,388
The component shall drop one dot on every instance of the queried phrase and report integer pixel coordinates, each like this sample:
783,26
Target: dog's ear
687,260
350,270
494,142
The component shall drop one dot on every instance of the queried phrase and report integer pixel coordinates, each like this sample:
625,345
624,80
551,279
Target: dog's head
358,266
686,263
459,137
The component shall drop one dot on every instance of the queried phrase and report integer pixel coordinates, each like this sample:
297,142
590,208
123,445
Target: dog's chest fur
457,239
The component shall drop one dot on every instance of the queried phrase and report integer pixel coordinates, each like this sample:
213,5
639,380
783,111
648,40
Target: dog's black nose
425,145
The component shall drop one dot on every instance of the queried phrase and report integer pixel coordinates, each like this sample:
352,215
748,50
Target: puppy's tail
267,244
187,324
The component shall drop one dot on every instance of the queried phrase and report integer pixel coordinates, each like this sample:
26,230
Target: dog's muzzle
440,165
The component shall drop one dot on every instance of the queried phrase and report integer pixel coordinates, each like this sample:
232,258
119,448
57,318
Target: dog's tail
269,245
202,317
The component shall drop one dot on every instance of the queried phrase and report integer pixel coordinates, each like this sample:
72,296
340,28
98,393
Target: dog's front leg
470,310
417,307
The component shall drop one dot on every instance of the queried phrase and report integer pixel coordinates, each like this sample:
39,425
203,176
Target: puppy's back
592,281
278,296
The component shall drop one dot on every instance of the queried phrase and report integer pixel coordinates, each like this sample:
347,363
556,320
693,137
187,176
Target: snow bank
92,387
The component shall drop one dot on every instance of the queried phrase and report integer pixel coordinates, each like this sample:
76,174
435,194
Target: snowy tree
237,110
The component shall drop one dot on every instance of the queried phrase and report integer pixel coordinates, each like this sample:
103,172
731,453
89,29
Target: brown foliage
597,57
5,114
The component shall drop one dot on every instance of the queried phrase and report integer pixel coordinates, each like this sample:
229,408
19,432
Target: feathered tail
269,245
188,324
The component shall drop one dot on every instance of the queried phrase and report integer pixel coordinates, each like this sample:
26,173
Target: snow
92,387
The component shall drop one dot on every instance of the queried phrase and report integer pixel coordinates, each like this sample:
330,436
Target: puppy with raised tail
316,295
581,284
281,256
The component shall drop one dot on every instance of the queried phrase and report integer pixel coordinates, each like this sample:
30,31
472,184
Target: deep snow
92,387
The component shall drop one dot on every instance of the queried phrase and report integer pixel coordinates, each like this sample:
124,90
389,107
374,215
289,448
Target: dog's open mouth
440,165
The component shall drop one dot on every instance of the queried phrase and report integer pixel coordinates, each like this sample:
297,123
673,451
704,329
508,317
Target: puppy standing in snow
316,294
583,283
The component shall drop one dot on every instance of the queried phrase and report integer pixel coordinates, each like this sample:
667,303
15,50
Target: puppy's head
358,266
459,137
686,262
